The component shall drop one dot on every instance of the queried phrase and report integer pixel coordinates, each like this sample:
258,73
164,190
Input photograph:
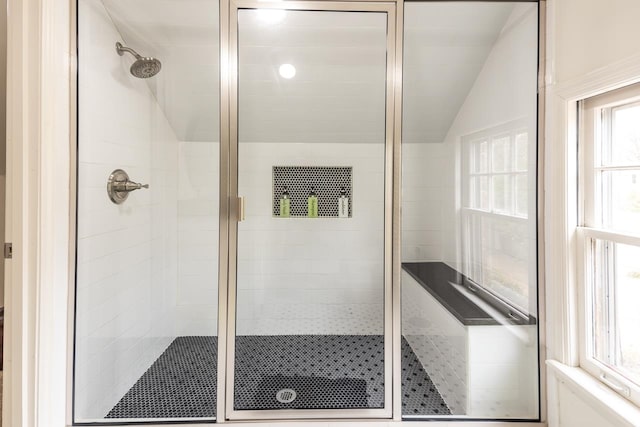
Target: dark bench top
434,277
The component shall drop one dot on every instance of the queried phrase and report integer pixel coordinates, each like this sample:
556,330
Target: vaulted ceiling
337,94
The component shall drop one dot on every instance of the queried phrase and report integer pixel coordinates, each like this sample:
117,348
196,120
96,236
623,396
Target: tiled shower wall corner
311,276
198,224
127,257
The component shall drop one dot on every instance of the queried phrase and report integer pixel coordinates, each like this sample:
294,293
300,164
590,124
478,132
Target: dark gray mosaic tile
355,357
326,371
419,395
180,384
310,392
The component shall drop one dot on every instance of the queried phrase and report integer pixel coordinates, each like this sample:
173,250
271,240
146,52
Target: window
610,239
495,212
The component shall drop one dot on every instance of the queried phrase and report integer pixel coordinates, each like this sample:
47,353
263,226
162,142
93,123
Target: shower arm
122,49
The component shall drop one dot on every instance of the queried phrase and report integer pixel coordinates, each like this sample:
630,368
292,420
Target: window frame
468,214
594,119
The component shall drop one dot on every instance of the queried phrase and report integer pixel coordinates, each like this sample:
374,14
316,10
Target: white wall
425,195
127,256
592,34
311,276
584,37
3,131
198,200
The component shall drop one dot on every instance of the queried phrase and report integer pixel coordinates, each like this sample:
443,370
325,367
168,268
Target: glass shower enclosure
295,210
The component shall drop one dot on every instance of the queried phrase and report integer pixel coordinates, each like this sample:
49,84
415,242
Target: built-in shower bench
480,357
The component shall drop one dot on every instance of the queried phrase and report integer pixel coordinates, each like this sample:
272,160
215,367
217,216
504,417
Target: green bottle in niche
343,204
285,204
312,204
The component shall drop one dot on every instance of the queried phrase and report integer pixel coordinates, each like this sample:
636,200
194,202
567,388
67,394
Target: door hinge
8,250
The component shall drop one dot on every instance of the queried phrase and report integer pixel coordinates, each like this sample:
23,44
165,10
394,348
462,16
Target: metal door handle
240,208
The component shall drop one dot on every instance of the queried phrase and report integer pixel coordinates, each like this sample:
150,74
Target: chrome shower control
119,186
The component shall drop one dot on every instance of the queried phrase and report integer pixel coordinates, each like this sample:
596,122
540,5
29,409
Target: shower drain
286,395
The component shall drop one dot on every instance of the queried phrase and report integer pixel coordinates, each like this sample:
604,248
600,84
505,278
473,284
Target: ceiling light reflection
287,71
271,16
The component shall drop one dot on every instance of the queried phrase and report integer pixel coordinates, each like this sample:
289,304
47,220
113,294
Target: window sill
596,394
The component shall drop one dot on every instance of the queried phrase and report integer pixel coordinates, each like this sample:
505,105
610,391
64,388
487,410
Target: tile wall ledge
447,286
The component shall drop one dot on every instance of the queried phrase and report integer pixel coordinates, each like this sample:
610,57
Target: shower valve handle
128,186
119,186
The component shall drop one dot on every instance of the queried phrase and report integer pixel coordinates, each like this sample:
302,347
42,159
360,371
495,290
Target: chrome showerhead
143,67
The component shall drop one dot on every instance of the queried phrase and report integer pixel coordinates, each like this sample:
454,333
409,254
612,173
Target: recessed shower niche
332,187
300,99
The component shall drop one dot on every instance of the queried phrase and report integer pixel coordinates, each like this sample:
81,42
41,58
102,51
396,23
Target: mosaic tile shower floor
326,371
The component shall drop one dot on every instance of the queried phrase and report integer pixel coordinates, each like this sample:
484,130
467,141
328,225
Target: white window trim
588,145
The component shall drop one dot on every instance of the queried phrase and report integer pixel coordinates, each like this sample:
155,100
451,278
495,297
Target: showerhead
143,67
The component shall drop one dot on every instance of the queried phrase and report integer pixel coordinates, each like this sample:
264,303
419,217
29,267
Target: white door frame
38,176
391,393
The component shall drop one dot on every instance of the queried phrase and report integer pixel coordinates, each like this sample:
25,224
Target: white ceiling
338,92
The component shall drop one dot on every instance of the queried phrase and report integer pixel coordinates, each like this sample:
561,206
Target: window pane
501,155
625,136
522,151
473,192
479,192
616,317
504,254
522,195
620,200
502,193
481,158
484,193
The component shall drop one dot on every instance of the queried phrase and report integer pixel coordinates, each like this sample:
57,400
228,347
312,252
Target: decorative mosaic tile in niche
327,182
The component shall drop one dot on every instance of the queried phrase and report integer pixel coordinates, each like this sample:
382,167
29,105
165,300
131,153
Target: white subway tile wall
127,254
311,276
427,188
198,225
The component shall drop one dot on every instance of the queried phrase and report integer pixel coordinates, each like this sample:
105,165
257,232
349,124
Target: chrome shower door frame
230,198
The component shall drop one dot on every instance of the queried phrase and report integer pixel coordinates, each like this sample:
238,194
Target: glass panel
522,151
625,136
501,193
522,195
615,314
479,192
621,200
468,210
501,155
480,158
504,256
310,275
147,279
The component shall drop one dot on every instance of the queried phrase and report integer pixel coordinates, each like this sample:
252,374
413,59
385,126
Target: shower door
311,141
